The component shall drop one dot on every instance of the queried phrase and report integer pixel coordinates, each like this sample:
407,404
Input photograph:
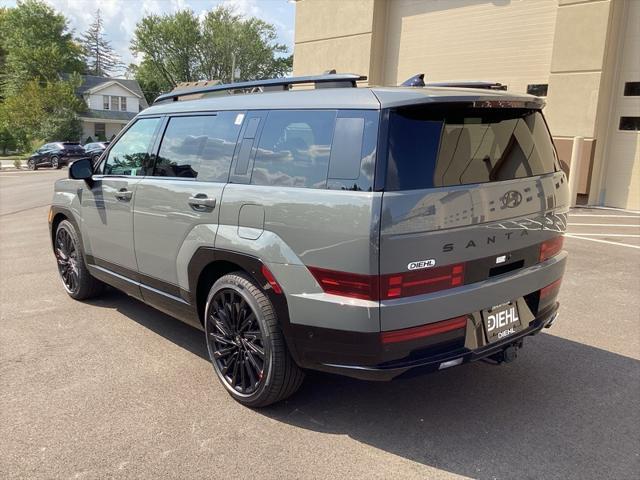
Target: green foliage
151,80
88,140
17,163
99,56
181,47
7,140
47,112
36,45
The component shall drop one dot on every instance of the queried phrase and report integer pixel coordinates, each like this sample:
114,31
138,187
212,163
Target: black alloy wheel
67,257
236,341
31,164
55,163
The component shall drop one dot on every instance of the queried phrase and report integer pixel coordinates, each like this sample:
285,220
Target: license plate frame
501,321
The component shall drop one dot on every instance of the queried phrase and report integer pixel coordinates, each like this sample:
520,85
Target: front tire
55,163
246,345
75,276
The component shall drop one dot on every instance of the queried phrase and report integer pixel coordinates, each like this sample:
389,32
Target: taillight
549,248
419,282
385,287
271,279
352,285
422,331
551,289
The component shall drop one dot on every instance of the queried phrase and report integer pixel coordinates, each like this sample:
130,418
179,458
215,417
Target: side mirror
81,170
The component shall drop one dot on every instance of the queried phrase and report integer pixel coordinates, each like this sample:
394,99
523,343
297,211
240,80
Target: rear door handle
123,194
201,202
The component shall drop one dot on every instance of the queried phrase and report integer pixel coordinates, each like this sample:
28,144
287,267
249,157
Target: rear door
478,187
107,205
177,205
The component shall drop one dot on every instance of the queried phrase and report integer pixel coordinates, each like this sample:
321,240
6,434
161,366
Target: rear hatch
470,193
73,149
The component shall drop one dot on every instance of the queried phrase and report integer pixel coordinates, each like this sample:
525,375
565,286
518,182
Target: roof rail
285,83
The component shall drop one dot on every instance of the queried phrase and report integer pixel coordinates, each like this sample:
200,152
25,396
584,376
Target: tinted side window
129,156
294,149
198,147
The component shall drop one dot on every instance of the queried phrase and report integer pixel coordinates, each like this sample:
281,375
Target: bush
17,163
88,140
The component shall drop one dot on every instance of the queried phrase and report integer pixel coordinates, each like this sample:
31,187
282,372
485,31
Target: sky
120,16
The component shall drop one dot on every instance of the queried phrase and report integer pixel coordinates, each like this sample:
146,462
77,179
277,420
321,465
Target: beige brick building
583,55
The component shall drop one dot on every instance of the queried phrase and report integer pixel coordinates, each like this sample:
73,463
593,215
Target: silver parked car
371,232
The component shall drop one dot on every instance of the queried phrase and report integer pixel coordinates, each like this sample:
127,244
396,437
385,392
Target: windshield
438,147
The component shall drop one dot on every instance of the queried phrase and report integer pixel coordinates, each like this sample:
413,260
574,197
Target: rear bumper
432,363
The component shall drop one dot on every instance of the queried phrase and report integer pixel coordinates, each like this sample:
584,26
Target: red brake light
271,279
394,285
418,282
353,285
550,248
550,289
422,331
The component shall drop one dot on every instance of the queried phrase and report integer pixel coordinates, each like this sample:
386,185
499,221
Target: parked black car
94,150
55,155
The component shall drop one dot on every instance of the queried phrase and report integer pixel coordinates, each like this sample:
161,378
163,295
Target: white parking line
574,215
602,225
632,235
602,241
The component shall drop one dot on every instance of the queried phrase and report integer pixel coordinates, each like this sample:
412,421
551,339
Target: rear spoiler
418,81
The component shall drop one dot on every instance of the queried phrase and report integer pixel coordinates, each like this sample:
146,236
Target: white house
111,103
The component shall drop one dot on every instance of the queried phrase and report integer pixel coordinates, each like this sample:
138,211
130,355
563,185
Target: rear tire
75,276
246,344
31,164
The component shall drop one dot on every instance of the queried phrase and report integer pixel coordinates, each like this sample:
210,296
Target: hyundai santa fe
373,232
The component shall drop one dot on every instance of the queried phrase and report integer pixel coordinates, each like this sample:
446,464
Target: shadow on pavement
561,410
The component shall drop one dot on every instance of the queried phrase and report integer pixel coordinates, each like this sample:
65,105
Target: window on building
123,104
114,103
632,89
294,149
129,156
105,102
630,123
198,147
538,89
99,130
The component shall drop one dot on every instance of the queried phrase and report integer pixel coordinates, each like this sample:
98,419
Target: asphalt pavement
114,389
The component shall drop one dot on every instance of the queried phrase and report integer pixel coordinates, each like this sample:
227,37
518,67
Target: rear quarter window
437,147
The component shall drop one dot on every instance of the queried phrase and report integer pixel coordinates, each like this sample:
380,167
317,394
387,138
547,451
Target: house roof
108,115
91,82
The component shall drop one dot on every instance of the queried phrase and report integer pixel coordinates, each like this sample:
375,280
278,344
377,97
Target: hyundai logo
511,199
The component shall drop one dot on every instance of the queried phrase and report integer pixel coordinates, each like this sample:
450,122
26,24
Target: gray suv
371,232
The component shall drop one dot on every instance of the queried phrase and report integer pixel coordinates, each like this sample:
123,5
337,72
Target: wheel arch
58,214
209,264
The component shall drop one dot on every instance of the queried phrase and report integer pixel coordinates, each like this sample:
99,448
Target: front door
107,206
177,204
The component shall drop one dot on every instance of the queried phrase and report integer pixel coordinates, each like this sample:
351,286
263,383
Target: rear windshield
434,147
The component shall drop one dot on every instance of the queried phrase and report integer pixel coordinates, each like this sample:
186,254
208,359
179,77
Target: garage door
622,156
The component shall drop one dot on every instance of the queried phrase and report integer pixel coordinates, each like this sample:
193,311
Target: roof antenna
329,72
415,81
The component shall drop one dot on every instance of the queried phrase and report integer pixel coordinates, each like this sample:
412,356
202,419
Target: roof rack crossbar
285,83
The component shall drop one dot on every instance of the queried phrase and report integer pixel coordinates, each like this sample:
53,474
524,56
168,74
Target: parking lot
114,389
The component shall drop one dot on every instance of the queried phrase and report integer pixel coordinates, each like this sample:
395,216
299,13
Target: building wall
573,45
94,101
88,129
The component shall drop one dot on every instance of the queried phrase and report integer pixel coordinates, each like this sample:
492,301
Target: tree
43,111
151,80
181,47
99,56
36,45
